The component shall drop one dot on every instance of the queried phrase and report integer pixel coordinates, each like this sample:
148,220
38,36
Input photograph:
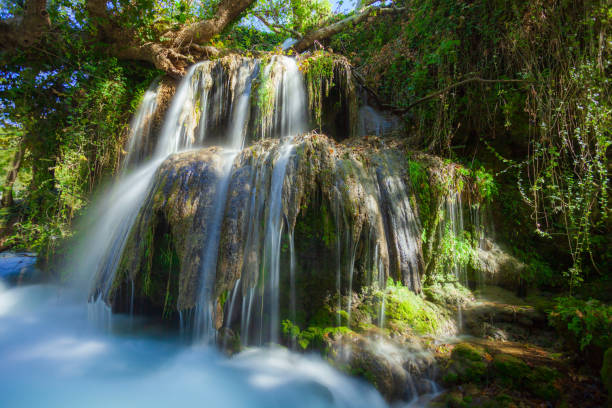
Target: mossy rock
509,369
405,309
468,363
606,372
540,382
467,351
454,399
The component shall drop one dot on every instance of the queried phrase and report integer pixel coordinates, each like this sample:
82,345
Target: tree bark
27,30
203,31
332,29
11,176
172,54
172,51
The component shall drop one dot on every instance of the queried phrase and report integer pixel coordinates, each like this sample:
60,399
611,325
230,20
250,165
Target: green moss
263,96
420,183
540,382
316,335
319,74
447,294
606,371
468,363
467,351
318,225
509,369
223,298
365,373
405,308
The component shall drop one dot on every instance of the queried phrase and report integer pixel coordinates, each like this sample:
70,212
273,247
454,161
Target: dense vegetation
517,93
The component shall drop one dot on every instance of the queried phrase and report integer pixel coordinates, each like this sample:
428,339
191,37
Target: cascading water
451,232
139,142
228,215
101,248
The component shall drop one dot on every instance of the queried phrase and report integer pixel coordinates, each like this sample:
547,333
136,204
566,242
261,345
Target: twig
276,27
399,109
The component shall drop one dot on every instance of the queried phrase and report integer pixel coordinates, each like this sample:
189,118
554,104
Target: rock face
400,370
345,220
243,240
498,266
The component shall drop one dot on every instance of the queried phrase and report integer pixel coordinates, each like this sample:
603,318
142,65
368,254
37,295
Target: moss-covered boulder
541,383
510,370
398,368
468,363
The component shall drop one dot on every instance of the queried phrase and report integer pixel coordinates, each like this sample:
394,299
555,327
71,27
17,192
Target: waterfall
211,102
453,224
203,324
229,212
402,227
98,253
289,118
140,128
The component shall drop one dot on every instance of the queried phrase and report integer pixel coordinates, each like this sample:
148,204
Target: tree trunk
11,176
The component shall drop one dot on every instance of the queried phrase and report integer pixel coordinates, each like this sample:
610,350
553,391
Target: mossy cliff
355,207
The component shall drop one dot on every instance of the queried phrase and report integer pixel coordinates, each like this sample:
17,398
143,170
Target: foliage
454,253
553,129
468,363
10,140
313,337
419,179
249,39
318,71
74,145
485,185
582,323
293,16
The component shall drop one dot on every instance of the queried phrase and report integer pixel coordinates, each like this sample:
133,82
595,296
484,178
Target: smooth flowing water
53,356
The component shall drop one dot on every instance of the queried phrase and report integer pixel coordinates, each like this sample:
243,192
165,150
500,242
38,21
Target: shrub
584,324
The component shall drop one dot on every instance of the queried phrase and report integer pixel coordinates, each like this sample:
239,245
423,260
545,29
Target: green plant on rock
509,369
453,253
318,71
313,337
264,97
419,179
541,383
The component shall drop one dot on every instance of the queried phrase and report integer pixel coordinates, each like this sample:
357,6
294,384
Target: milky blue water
53,355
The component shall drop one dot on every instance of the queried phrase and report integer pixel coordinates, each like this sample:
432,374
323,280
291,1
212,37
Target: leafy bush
583,324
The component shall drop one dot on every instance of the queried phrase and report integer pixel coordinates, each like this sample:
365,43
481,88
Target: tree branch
455,85
203,31
399,109
327,31
276,27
